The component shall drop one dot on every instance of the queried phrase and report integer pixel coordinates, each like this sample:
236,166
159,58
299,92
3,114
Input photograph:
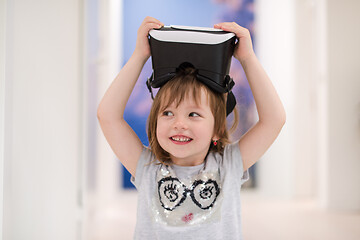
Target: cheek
160,130
205,129
211,124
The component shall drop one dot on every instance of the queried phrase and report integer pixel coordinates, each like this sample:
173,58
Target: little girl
189,178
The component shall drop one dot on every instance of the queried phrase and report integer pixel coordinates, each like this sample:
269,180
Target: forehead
194,97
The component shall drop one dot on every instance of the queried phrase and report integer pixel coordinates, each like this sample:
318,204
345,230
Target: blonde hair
182,86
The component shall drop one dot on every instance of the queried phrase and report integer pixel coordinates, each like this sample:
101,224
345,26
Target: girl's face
186,131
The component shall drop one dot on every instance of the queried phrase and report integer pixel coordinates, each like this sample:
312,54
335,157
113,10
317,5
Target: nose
180,124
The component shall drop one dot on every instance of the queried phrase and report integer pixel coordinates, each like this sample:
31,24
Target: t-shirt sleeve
144,161
233,162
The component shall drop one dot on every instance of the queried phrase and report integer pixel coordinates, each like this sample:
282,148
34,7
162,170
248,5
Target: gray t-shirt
198,202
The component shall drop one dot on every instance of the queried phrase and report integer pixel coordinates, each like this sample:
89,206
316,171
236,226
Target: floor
262,219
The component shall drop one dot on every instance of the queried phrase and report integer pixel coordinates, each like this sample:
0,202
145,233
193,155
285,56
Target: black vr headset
207,50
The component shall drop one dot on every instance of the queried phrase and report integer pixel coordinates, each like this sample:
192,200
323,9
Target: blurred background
58,176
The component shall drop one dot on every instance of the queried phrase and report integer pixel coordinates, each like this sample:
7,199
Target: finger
233,27
149,19
145,29
217,26
152,25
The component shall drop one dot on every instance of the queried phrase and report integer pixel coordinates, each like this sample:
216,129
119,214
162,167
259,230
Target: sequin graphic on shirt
204,194
172,193
190,201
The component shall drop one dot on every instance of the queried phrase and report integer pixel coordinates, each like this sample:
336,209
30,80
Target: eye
207,192
168,113
171,192
194,114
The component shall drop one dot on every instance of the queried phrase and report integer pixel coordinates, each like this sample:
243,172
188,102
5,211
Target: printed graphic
172,193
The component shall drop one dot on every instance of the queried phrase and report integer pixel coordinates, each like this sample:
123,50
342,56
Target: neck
185,162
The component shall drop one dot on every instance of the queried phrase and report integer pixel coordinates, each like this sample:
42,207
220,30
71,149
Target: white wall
275,47
43,120
342,188
103,62
2,107
311,51
306,106
108,65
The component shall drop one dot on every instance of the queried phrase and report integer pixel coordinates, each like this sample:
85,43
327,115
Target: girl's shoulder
148,158
230,159
231,150
146,164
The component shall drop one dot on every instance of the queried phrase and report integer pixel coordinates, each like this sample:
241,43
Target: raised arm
122,139
271,112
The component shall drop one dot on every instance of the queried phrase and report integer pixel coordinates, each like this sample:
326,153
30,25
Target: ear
215,137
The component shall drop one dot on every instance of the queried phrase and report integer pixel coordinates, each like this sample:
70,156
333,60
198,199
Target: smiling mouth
180,139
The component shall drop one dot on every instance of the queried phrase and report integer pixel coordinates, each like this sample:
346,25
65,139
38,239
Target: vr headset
208,50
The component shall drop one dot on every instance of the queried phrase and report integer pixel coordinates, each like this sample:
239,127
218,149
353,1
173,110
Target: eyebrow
192,108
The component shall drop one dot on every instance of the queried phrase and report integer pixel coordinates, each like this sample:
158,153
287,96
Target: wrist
140,57
246,58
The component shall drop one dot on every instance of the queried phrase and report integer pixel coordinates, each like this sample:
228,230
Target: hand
142,43
243,49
